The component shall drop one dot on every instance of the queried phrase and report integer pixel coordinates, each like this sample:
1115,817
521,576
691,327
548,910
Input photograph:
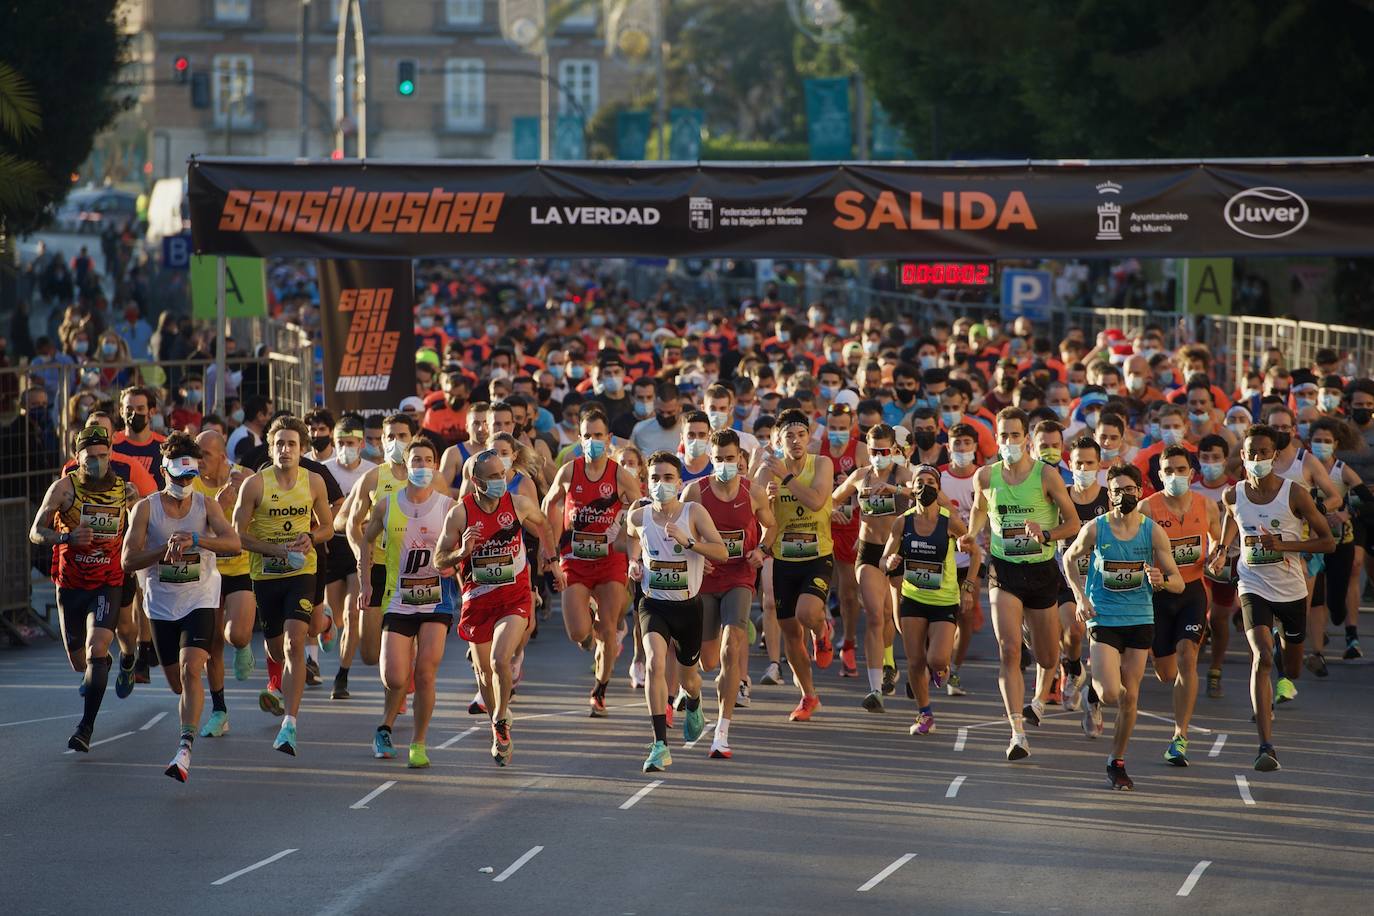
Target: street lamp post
302,50
351,8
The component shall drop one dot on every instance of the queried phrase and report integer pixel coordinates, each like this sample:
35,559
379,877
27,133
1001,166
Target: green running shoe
1177,752
751,631
244,662
270,702
419,759
216,726
286,739
1285,691
659,759
693,723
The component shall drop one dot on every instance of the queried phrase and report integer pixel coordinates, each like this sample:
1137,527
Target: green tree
1094,78
69,54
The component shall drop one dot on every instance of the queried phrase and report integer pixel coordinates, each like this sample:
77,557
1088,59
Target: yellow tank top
237,565
387,484
802,534
283,515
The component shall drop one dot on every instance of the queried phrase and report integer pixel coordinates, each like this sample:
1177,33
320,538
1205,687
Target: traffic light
405,77
200,90
181,68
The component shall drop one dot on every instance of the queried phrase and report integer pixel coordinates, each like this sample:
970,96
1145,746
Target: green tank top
1010,507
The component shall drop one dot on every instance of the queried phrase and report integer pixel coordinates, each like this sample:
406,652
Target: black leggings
1339,565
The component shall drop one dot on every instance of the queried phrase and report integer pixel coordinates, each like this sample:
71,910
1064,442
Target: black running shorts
194,631
1179,617
792,579
1258,611
675,621
1139,636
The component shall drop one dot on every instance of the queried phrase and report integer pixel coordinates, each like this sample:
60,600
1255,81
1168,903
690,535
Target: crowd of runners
737,493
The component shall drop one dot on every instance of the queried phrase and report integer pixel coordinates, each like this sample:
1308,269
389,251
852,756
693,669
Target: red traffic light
336,154
181,64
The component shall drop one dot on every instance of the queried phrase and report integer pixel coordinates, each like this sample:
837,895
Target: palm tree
20,178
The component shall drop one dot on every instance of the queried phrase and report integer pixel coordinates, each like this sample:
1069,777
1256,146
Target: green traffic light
406,87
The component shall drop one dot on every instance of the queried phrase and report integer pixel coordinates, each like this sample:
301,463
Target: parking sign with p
1026,293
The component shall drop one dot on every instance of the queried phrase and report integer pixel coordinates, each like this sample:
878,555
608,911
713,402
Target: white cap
414,403
847,396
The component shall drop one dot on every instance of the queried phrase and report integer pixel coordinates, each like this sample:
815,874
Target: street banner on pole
828,124
367,309
631,135
685,143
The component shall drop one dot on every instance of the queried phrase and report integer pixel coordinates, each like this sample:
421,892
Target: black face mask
457,402
926,495
925,439
1127,502
666,421
905,395
137,423
319,443
545,394
1362,415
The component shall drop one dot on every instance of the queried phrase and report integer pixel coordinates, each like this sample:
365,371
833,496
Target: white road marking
959,741
1169,719
710,727
634,799
953,789
1244,785
153,721
105,740
515,866
75,715
361,803
1193,875
456,738
1217,745
878,878
254,867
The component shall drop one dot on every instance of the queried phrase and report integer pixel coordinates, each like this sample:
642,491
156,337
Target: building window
465,93
233,88
233,10
579,77
584,17
464,12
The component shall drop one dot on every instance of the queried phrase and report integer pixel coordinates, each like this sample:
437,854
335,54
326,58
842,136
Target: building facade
470,84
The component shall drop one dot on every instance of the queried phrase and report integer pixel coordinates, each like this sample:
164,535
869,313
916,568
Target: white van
167,209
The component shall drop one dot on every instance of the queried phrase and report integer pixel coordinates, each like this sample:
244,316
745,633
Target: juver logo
1266,213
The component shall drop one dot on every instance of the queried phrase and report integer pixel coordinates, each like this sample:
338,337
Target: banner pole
219,333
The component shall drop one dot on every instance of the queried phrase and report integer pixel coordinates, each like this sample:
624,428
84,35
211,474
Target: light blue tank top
1120,592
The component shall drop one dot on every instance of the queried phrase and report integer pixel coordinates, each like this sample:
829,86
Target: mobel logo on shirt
287,511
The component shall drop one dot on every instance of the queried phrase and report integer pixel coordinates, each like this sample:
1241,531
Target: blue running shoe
216,726
244,662
693,724
659,759
382,748
124,682
286,739
329,637
1176,753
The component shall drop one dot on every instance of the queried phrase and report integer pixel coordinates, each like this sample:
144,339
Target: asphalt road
844,814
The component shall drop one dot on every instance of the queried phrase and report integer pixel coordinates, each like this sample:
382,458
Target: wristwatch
691,542
788,479
64,538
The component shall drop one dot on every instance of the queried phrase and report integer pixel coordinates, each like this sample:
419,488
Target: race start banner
368,316
1091,209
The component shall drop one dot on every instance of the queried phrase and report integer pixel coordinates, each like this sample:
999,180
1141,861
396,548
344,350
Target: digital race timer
946,273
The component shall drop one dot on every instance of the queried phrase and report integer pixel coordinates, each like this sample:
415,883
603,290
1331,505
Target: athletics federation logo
505,519
1108,213
700,214
606,490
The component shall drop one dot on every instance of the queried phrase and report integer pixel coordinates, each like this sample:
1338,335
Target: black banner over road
369,333
985,210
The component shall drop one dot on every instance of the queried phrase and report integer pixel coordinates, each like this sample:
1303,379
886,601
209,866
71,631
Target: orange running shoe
823,647
804,709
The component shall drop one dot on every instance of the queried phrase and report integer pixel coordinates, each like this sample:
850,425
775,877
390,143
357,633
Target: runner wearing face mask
1342,578
1089,497
1173,430
843,446
957,482
347,467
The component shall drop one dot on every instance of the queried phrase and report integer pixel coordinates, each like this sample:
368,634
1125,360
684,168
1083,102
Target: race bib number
1256,555
1016,542
1123,576
587,545
871,503
734,543
1187,551
104,521
420,591
800,545
1083,564
187,570
497,569
275,566
668,575
923,574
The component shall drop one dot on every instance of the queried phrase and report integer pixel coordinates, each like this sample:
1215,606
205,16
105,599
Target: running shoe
720,748
329,637
1285,691
937,680
680,701
823,646
340,690
244,662
1177,752
180,767
286,739
500,742
1267,760
1316,663
1092,720
1352,649
772,675
659,759
217,726
141,673
1034,711
597,703
80,740
849,663
1072,695
751,632
1019,748
952,687
638,676
477,707
269,701
312,672
124,682
586,644
668,715
805,707
1214,690
1117,778
1027,657
743,700
873,701
889,680
1056,695
924,725
418,757
693,723
382,748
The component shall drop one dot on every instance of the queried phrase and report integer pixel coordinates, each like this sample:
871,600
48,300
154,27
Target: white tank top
671,571
173,590
1273,575
960,493
413,583
1294,471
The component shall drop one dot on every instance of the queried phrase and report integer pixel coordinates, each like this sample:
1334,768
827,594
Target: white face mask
961,459
349,454
396,451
